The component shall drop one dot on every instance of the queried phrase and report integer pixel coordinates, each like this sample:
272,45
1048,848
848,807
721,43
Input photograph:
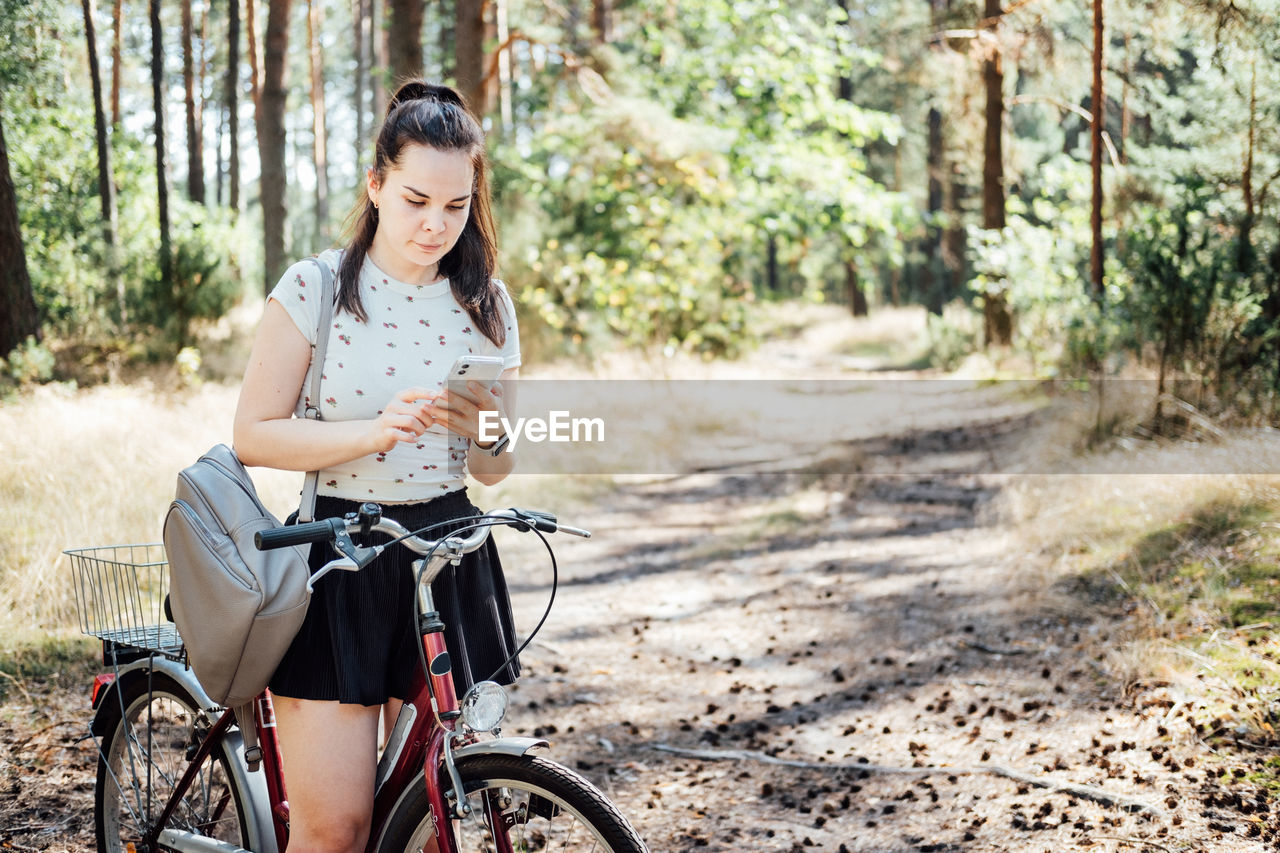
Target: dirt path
852,662
893,652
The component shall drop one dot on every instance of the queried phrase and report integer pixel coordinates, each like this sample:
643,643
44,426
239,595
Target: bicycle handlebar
331,528
297,534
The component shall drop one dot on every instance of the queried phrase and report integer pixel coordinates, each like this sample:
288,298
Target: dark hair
422,113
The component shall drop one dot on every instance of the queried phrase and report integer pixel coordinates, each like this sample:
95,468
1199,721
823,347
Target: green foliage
646,198
91,293
28,42
31,362
717,152
1189,300
202,284
630,240
953,335
52,149
1037,261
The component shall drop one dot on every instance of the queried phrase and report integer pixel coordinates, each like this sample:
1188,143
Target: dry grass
95,467
1192,561
98,467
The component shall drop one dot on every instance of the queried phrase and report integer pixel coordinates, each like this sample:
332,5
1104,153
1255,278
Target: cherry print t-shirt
413,335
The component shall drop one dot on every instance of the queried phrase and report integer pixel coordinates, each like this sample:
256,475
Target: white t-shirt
413,335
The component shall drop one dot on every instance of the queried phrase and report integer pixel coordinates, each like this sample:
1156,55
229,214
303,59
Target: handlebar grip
297,534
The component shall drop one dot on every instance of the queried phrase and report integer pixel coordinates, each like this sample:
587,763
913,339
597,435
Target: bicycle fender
109,699
500,746
257,801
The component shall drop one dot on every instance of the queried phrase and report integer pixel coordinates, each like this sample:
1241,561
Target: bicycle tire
142,756
548,804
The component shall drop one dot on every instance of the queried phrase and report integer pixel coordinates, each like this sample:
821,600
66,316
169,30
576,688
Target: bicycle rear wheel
142,757
539,805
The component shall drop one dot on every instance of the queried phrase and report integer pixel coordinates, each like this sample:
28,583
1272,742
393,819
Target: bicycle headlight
484,706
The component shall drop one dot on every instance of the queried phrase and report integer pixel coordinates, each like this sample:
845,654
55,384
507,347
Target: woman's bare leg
329,752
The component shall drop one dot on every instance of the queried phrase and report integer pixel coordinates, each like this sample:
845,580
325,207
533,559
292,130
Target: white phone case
480,368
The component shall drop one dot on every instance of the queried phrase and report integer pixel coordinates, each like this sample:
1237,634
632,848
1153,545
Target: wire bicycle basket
120,594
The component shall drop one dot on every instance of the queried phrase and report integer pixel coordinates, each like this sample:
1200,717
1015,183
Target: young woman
415,289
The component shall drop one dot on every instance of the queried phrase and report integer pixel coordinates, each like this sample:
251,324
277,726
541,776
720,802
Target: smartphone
484,369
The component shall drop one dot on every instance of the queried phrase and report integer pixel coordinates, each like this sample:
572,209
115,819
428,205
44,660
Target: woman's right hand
405,418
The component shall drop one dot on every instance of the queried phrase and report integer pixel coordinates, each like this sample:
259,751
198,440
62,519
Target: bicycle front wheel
142,757
530,802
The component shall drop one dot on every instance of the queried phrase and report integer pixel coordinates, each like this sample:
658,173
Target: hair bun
421,90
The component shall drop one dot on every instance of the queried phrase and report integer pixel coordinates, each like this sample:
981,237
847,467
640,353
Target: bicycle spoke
115,780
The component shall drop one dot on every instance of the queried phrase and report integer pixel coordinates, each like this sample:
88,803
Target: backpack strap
249,734
307,507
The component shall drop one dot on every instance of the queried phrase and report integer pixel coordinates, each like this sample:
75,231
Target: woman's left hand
461,412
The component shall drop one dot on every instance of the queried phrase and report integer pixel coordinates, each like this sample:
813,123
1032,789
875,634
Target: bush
203,284
619,231
953,335
1036,261
31,362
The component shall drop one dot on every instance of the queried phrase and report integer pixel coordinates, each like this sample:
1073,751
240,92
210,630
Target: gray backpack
237,608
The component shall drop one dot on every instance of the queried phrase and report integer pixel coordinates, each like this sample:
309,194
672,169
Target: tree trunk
771,282
106,182
936,285
255,63
233,105
20,319
360,34
117,36
447,32
315,22
202,76
844,91
955,239
404,38
993,141
195,158
162,177
504,87
271,142
219,167
1244,244
936,291
1126,117
378,56
1099,106
601,25
468,55
857,298
997,321
489,80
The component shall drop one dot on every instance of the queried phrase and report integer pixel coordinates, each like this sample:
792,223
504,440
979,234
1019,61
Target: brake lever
353,559
345,564
545,522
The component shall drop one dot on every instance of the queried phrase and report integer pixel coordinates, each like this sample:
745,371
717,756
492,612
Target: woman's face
423,203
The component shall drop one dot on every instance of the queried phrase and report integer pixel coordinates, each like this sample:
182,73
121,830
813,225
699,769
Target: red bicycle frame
434,704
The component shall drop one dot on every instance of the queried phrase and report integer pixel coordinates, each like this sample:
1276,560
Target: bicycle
175,772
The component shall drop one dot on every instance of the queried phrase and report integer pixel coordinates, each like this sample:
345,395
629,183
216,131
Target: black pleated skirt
358,643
